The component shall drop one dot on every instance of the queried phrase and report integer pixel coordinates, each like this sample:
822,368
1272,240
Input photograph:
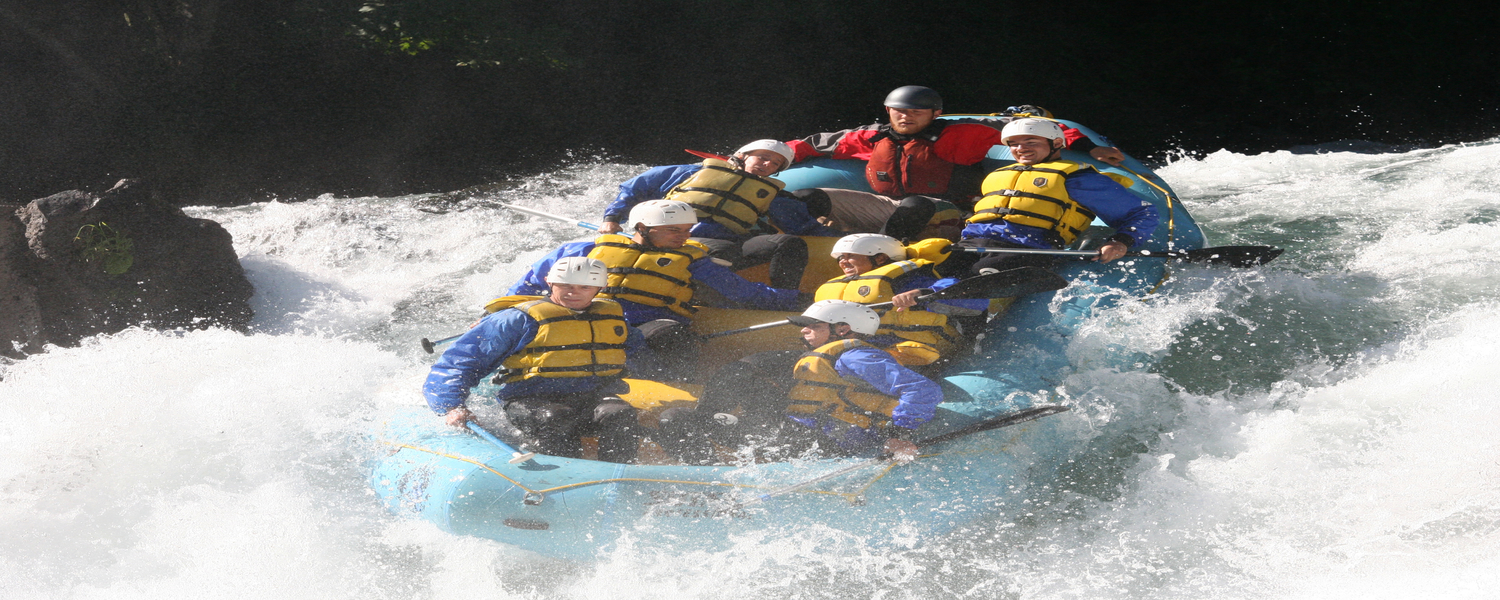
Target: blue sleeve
651,185
790,216
475,354
918,396
743,291
919,280
534,282
1122,210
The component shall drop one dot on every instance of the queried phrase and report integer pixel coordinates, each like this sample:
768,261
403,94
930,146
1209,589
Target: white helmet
869,244
579,270
784,150
860,318
1038,127
655,213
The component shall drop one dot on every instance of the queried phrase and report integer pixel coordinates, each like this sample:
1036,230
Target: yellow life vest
877,285
568,343
1036,196
732,197
818,389
648,275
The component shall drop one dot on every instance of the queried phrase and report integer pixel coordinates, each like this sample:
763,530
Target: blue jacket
917,396
480,350
1122,210
787,214
735,288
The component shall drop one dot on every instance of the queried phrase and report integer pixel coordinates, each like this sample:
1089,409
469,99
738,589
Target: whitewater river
1326,426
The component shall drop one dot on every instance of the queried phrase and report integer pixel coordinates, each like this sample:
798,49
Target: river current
1325,426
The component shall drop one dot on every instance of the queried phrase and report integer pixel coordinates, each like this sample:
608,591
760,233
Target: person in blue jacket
1043,201
653,270
561,358
653,274
738,203
844,396
877,269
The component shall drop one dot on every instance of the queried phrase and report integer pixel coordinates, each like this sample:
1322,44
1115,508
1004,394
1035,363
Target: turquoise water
1322,427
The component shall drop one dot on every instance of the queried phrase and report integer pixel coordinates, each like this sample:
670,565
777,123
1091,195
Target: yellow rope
1166,271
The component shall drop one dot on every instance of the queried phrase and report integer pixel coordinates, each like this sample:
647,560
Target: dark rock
73,265
20,317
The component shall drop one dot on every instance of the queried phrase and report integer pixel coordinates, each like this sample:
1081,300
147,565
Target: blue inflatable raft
576,508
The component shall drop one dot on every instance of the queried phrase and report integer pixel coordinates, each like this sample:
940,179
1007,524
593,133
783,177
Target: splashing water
1318,428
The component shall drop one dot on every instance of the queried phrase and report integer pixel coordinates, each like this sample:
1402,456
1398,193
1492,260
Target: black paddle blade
427,345
1234,256
1030,414
1010,282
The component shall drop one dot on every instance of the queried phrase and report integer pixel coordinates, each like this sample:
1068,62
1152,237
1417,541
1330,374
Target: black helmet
914,96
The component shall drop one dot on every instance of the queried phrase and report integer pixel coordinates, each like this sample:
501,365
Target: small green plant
102,245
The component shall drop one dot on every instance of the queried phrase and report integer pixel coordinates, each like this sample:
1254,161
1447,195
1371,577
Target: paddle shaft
547,215
431,346
490,437
1240,256
787,322
1030,280
1029,414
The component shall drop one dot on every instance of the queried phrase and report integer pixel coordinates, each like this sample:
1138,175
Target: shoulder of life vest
1035,196
647,275
727,195
874,285
505,302
818,390
1123,180
934,250
569,343
913,354
878,285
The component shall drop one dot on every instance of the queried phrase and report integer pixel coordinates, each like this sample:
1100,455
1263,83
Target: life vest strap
1021,167
933,329
667,300
720,212
582,346
643,249
585,316
640,271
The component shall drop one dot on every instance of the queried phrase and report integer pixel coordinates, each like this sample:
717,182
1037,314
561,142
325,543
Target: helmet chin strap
1056,150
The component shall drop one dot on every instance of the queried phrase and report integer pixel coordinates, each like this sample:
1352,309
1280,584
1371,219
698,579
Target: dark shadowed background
221,101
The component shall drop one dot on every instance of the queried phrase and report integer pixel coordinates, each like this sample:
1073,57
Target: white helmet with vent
869,244
579,270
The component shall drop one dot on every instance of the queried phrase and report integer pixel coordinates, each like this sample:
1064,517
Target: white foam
219,465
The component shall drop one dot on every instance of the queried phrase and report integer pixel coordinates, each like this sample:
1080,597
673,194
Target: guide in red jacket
910,162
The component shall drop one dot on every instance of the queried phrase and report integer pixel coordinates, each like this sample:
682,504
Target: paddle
1023,416
1011,282
516,457
547,215
1234,256
431,346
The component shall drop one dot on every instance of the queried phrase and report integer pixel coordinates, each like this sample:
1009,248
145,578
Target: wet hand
457,417
901,451
608,227
1109,154
905,300
1111,251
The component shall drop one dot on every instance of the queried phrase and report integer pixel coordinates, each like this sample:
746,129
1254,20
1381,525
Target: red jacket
920,164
